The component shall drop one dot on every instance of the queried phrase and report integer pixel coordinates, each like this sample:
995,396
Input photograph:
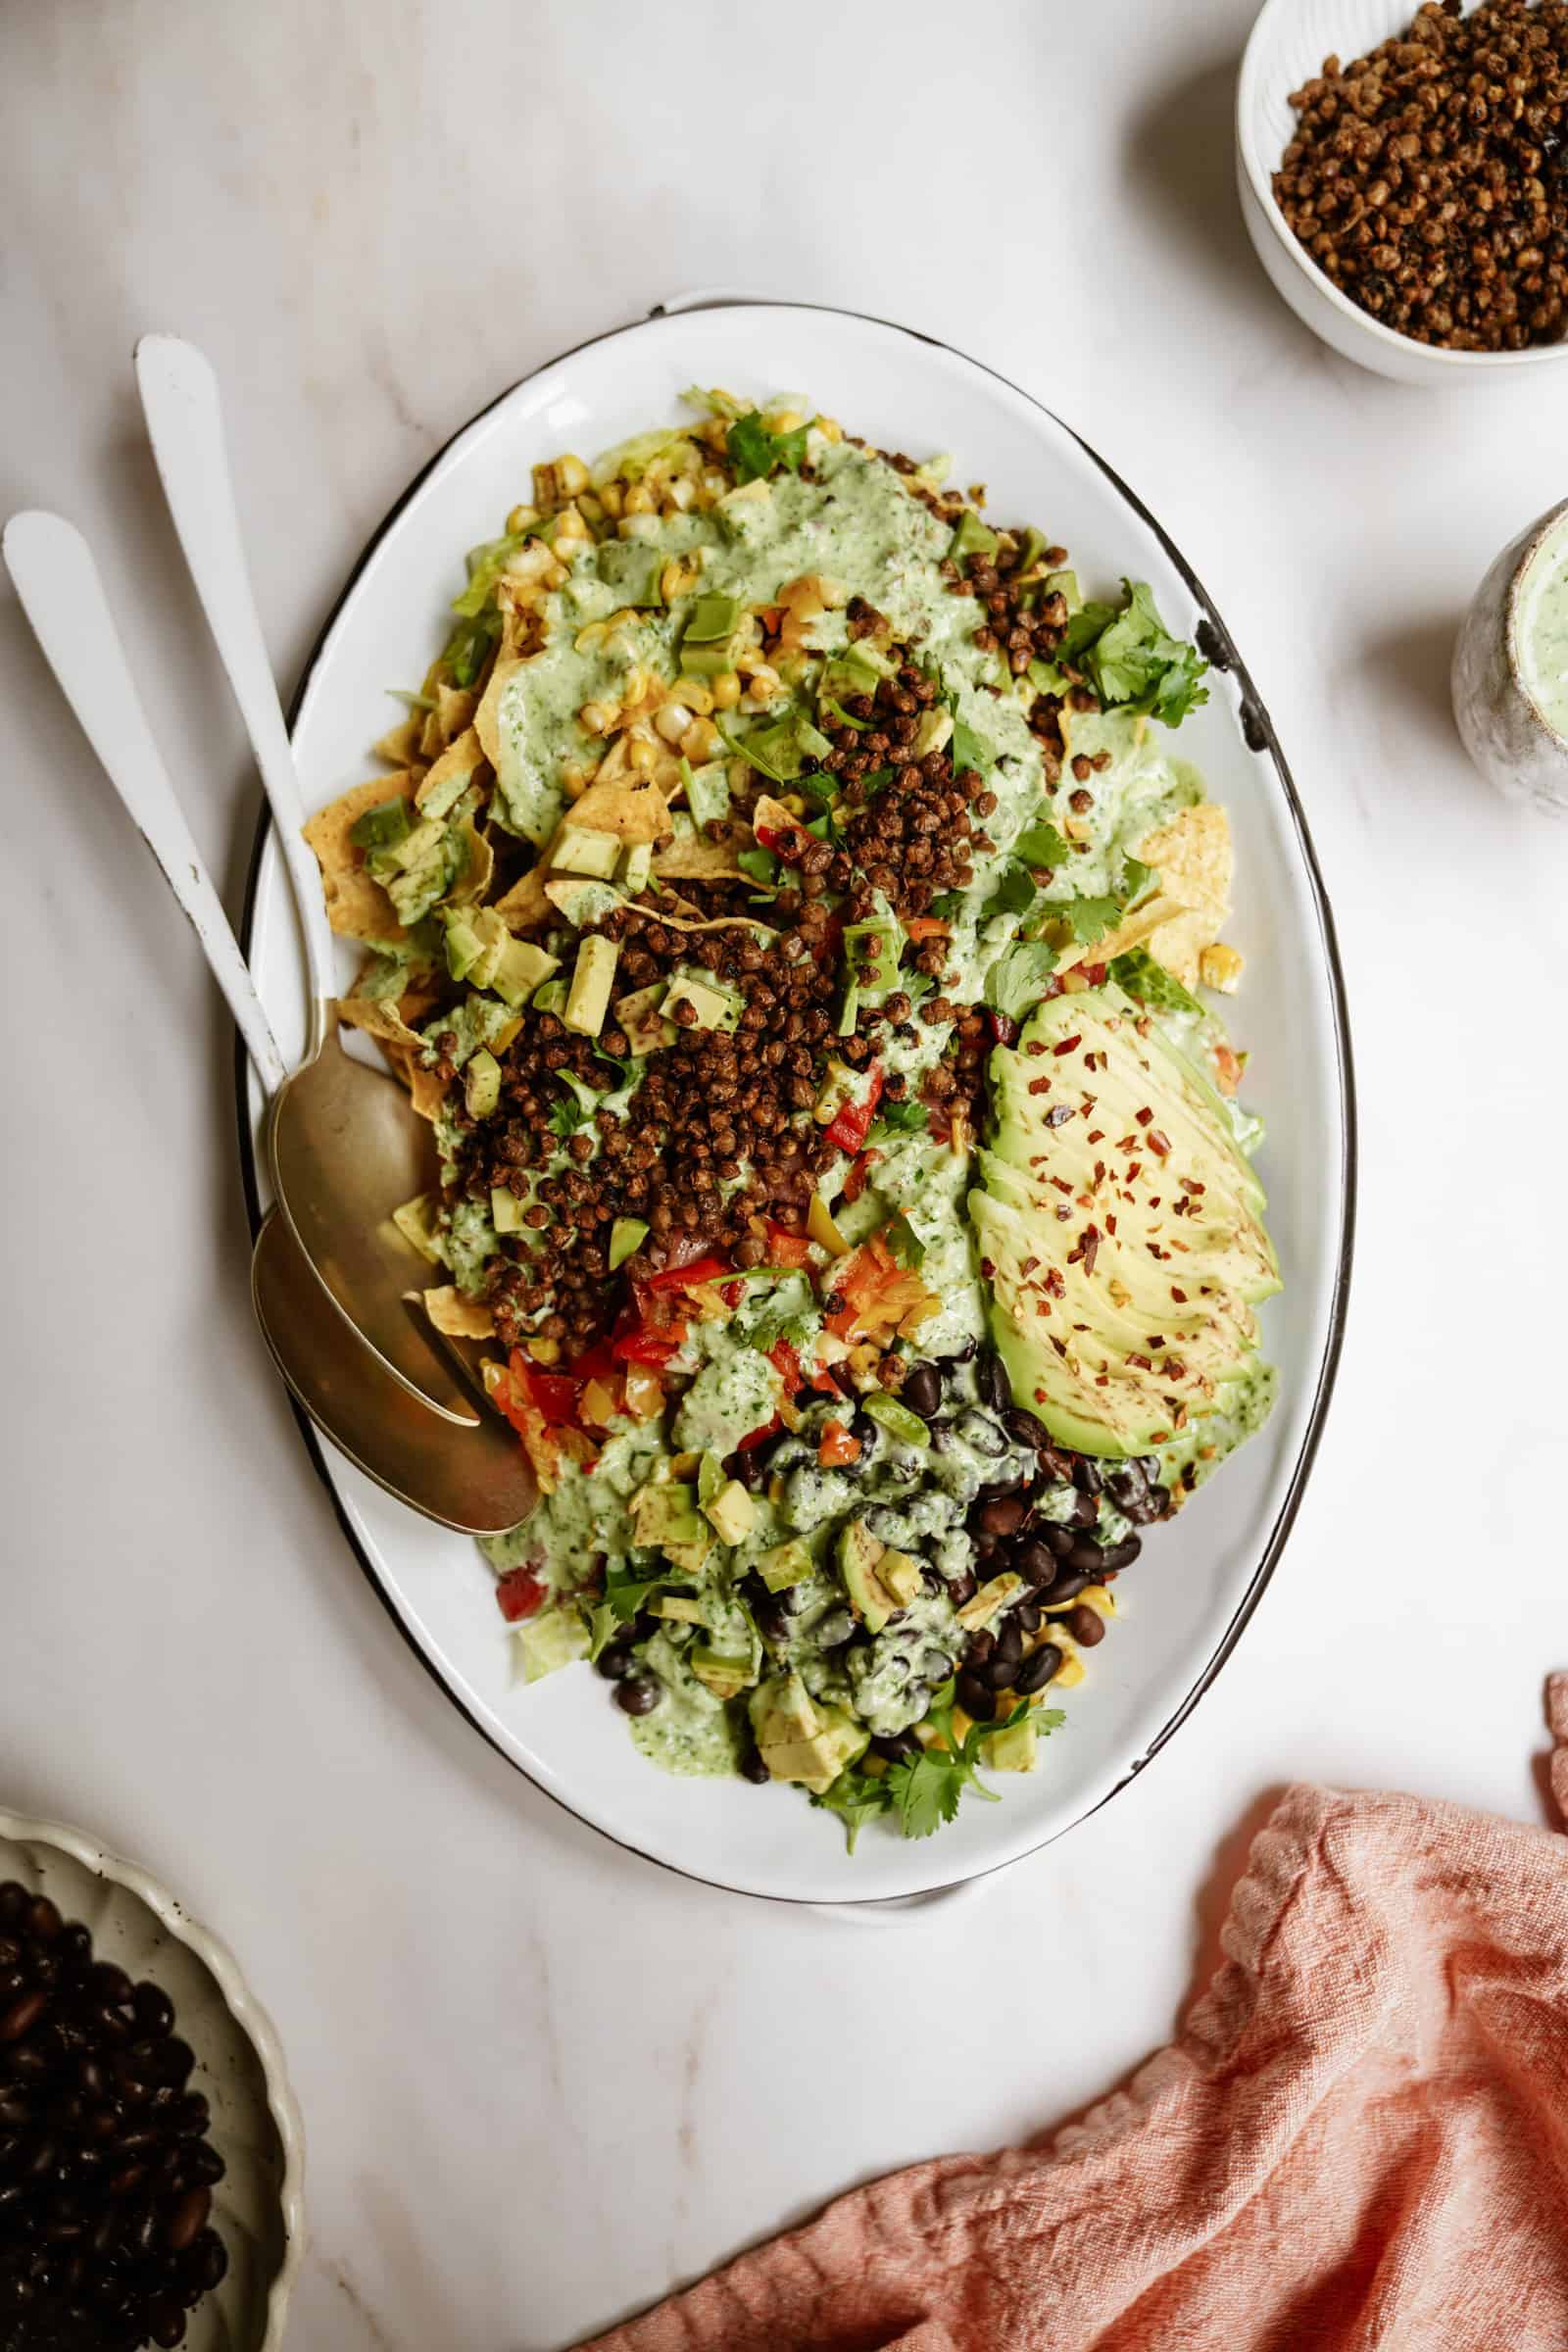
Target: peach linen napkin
1360,2141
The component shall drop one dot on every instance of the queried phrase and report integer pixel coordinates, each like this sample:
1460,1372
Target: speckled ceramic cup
1504,731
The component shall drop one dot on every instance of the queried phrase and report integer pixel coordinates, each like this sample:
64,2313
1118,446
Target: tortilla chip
399,747
461,758
485,721
525,906
357,907
632,808
455,708
772,814
381,1019
480,870
456,1315
1131,932
693,857
1196,863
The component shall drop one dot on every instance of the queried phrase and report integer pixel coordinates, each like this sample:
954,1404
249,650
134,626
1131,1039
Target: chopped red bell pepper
837,1446
769,837
643,1348
519,1594
732,1292
760,1437
786,1362
860,1174
787,1249
676,1278
852,1124
555,1393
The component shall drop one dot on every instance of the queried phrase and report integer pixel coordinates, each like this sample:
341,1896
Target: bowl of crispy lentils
151,2152
1404,178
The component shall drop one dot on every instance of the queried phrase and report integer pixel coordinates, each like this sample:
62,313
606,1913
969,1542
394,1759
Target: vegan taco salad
786,905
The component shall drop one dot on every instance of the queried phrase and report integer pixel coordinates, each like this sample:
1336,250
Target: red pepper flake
1090,1247
1097,1134
1135,1168
1142,1361
1158,1142
1056,1282
1029,1265
1145,1115
1110,1224
987,1269
1180,1297
1042,1086
1034,1049
1068,1043
1175,1369
1061,1184
1061,1346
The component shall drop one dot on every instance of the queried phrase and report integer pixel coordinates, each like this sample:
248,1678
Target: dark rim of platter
1258,731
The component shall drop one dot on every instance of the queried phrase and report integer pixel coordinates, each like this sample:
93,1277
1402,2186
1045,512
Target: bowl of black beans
151,2152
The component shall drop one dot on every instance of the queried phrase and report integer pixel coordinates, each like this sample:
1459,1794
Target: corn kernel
726,690
1221,967
700,740
642,758
830,428
672,721
598,717
783,421
545,1351
678,577
521,519
696,695
639,500
612,498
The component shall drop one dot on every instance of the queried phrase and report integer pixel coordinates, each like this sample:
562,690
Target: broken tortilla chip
399,747
445,783
694,857
631,807
456,1315
357,907
1131,932
524,906
1196,863
486,722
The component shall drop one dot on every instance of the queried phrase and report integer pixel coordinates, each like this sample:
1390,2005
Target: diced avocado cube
898,1419
782,1709
816,1759
676,1608
632,570
581,852
731,1512
414,846
626,1236
714,1008
972,537
707,792
1065,583
934,733
519,969
465,946
850,1010
416,1220
871,952
494,938
555,1637
646,1031
636,867
666,1512
381,828
588,998
990,1599
482,1082
506,1210
551,997
712,618
688,1558
724,1673
900,1574
1016,1749
785,1565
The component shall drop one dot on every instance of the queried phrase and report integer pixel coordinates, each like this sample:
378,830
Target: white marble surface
544,2081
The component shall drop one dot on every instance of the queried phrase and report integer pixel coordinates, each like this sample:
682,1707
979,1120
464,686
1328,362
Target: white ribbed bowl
258,2207
1286,48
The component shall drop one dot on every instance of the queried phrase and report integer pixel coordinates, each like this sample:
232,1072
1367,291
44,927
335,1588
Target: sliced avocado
1132,1315
676,1608
636,867
521,969
800,1739
581,852
506,1210
724,1673
934,733
1065,584
482,1082
626,1236
990,1598
841,1085
782,1709
902,1575
850,1010
582,903
859,1554
785,1565
688,1558
666,1513
1016,1749
465,945
708,792
708,660
381,828
494,940
731,1512
410,848
588,998
972,537
714,1008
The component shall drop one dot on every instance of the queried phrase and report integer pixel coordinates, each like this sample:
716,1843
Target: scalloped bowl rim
1257,58
247,2012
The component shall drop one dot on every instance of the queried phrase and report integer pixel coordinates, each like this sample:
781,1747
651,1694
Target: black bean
75,1948
1035,1561
172,2059
15,2107
639,1696
981,1432
896,1747
1026,1616
188,2218
1085,1511
1086,1626
921,1391
1120,1555
165,2321
834,1629
992,1381
614,1661
190,2116
981,1644
155,2011
975,1697
750,1468
1001,1673
110,1983
753,1769
1004,1515
1127,1486
43,1919
960,1355
1010,1641
1022,1425
207,2258
1038,1668
13,1900
960,1587
1152,1506
1087,1556
23,2015
1068,1588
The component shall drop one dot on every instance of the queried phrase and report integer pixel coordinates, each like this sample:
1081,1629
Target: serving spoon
344,1146
464,1469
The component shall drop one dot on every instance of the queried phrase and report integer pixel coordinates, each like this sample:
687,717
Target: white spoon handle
185,426
64,598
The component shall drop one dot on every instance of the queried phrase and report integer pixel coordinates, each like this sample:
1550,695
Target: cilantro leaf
1041,845
1132,660
1090,622
857,1797
926,1791
901,1118
969,750
949,906
1019,977
756,453
1143,977
627,1595
761,864
1090,919
903,1244
1014,893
